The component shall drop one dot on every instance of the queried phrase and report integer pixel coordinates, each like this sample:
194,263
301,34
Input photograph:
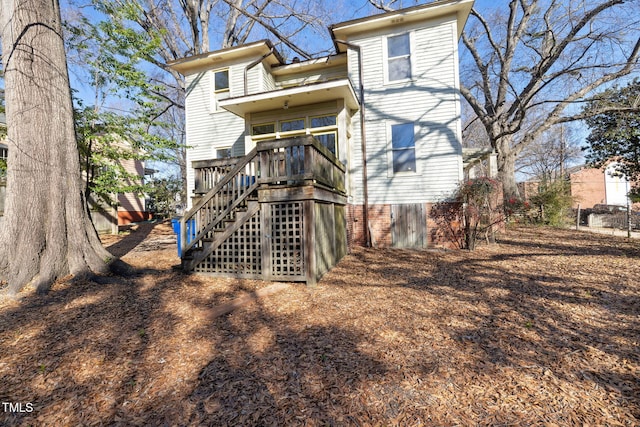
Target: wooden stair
276,214
231,225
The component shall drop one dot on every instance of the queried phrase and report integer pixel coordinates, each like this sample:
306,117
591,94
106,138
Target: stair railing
219,202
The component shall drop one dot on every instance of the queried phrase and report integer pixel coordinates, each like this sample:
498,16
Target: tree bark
47,233
507,174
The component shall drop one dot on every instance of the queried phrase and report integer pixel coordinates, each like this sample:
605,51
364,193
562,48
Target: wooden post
628,218
309,244
265,241
114,214
578,218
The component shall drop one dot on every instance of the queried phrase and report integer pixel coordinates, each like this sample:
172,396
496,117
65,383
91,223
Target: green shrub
554,203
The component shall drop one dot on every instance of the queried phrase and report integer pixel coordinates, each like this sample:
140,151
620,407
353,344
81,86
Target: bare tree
186,27
46,232
548,157
527,66
155,32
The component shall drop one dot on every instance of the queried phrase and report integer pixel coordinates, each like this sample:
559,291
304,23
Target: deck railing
208,173
281,161
227,184
299,160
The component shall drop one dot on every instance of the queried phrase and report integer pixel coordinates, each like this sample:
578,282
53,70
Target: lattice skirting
287,239
240,254
283,241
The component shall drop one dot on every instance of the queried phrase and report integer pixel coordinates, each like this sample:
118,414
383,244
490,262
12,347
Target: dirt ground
542,328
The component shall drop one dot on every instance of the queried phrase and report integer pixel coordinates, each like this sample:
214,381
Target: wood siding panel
409,226
430,100
325,250
331,73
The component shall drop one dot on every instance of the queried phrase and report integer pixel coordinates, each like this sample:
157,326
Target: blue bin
191,232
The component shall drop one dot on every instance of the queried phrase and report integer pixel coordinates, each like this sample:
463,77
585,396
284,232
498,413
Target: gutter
363,139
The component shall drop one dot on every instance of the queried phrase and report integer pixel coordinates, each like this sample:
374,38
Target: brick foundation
439,232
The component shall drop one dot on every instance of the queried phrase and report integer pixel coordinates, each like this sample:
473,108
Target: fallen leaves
541,328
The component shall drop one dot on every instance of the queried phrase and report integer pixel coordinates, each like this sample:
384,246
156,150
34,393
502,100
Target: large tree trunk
47,233
507,174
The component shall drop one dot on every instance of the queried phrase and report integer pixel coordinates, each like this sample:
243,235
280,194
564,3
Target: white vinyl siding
206,131
268,81
309,77
258,80
429,100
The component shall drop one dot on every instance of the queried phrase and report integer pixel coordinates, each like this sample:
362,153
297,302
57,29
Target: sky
318,41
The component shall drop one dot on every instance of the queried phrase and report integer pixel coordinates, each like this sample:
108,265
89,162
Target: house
598,186
349,149
126,207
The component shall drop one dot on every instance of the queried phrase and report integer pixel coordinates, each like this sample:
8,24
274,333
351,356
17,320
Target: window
328,140
220,86
324,128
263,129
322,121
399,57
221,81
223,153
403,148
291,125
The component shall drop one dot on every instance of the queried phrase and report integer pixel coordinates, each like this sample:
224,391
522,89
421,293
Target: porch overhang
472,156
293,97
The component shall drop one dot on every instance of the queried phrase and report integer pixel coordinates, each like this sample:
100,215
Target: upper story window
403,148
399,57
263,129
220,86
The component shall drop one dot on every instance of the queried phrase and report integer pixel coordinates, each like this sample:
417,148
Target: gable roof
205,60
340,31
435,9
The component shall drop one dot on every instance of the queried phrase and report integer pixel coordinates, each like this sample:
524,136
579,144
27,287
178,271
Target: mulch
539,329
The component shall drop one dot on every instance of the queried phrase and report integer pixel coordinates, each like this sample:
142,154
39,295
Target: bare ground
540,329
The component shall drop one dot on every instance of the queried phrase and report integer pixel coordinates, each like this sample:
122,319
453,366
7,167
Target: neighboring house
589,186
597,186
130,206
384,114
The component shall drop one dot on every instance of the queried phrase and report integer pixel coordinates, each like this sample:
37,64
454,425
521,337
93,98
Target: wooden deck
276,214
